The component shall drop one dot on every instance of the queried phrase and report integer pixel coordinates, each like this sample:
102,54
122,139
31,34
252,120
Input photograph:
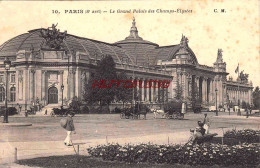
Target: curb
15,124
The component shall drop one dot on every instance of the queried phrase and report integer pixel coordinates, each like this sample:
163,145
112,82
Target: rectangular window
1,78
13,78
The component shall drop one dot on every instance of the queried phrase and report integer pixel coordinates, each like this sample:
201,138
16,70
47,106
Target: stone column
184,85
60,73
246,96
43,86
250,96
197,78
211,91
145,90
236,100
156,91
216,87
32,85
26,86
139,89
234,95
136,90
221,92
152,92
20,78
38,84
242,95
78,82
69,76
167,95
203,90
206,89
72,83
148,91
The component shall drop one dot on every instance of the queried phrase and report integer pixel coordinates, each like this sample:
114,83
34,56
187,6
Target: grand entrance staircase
49,108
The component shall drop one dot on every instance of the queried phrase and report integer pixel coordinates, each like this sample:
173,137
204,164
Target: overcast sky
236,31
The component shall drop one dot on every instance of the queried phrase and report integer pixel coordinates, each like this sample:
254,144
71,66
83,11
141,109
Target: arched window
12,94
2,94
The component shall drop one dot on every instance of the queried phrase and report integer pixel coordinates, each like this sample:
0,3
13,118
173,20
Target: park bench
205,138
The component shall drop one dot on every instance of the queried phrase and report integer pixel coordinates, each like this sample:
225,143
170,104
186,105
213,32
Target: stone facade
38,70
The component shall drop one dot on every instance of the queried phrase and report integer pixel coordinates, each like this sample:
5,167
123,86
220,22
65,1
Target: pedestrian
183,108
69,128
46,112
247,114
206,123
197,133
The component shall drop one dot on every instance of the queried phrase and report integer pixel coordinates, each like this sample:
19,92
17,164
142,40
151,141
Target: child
70,128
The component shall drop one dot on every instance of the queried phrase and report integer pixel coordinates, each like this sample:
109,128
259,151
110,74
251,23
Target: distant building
44,59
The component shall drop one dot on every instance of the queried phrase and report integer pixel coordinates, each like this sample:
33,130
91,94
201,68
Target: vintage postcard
129,83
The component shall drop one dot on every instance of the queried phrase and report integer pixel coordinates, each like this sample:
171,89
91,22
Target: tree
178,90
256,98
100,88
124,94
75,105
194,98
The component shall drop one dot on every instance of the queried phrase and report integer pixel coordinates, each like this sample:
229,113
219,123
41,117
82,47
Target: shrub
205,154
84,109
11,111
75,105
117,110
172,106
244,136
244,105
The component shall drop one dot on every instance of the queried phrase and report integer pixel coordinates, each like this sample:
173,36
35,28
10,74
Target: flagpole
238,101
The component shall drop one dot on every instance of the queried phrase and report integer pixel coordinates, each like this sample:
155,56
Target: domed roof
93,48
134,37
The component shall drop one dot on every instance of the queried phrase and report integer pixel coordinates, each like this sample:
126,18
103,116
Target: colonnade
145,91
239,94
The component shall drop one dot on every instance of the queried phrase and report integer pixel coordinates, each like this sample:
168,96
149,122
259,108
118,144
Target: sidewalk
34,149
243,116
48,148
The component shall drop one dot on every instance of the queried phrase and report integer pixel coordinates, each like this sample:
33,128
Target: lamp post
62,88
216,90
7,64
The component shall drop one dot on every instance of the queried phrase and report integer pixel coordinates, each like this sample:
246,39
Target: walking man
69,128
206,123
247,114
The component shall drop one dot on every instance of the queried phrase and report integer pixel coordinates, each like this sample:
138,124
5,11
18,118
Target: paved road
95,126
45,137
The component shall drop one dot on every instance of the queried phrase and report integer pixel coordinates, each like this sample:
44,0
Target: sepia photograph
130,84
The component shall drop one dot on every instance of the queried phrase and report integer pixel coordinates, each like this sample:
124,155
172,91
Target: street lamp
62,88
216,90
7,64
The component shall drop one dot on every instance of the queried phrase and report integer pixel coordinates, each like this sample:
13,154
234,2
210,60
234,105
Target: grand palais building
42,60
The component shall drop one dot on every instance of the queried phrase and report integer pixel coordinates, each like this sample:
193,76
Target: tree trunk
100,106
